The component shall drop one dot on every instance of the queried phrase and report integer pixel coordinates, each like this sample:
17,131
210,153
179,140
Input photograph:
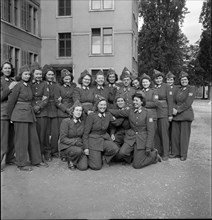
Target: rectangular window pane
64,44
107,4
95,4
107,40
64,7
96,41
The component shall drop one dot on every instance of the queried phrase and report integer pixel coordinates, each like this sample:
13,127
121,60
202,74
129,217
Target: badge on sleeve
150,119
156,96
170,92
190,94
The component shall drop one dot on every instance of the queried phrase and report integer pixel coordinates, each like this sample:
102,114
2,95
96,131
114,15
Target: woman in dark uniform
66,90
22,115
40,100
183,117
71,131
139,138
164,114
96,138
7,128
52,130
85,94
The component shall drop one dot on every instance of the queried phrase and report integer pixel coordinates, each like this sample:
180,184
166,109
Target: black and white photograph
106,109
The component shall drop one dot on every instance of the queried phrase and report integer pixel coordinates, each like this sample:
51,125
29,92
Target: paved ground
171,189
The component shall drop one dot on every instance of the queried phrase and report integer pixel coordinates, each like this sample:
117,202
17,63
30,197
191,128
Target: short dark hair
141,96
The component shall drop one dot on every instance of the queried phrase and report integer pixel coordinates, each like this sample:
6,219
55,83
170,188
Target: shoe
164,158
42,164
11,163
25,168
172,156
157,156
63,159
183,158
71,165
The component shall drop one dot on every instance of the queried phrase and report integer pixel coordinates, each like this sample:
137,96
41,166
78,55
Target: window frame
58,45
62,16
102,45
101,6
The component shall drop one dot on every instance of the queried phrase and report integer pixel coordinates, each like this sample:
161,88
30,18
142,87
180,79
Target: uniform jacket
96,130
104,91
127,93
5,91
54,101
142,127
66,100
85,96
165,97
112,90
20,103
183,103
40,93
151,102
71,133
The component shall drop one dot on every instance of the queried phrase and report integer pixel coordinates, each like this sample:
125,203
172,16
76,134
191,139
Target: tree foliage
161,41
204,58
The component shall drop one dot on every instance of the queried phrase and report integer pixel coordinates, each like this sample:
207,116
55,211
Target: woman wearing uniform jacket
96,138
66,90
111,79
139,138
52,129
85,94
164,114
183,117
152,102
22,115
40,100
71,131
7,128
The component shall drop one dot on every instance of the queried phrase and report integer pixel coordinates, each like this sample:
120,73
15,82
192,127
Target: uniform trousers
140,159
26,142
181,131
52,136
162,137
77,157
7,141
41,126
95,157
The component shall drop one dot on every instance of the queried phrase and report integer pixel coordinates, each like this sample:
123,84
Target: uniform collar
6,79
158,86
138,110
76,120
66,85
100,87
25,83
85,87
49,83
101,115
145,90
126,89
112,85
183,88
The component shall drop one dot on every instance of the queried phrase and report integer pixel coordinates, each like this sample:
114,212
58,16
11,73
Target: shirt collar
101,115
100,87
49,83
126,89
76,120
7,79
138,110
157,86
145,89
112,85
65,85
85,87
25,83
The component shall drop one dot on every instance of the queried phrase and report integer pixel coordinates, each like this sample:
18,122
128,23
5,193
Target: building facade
20,32
91,34
72,34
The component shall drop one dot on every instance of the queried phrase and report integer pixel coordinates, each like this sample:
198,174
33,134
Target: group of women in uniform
137,121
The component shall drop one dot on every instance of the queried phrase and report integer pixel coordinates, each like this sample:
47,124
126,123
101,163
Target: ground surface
171,189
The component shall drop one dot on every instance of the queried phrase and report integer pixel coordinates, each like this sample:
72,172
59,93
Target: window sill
101,10
101,55
61,17
63,58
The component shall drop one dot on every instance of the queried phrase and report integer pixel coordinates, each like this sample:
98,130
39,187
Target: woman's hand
174,111
86,151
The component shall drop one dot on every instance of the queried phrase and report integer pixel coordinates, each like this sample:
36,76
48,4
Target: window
16,12
35,58
64,44
6,10
64,7
101,41
16,60
34,21
101,4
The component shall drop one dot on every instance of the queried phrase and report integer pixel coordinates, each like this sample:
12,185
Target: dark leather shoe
71,165
42,164
164,158
11,163
171,156
26,168
183,158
